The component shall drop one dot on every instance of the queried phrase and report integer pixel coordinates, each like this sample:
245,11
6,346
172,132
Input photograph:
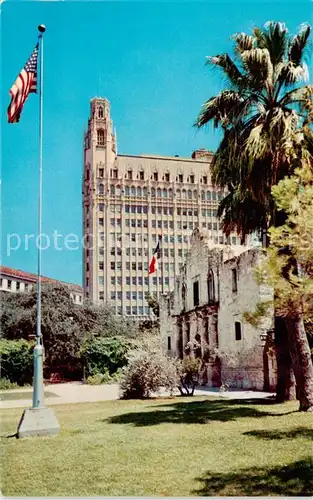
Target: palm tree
262,114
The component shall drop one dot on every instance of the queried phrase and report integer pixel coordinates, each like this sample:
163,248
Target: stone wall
237,353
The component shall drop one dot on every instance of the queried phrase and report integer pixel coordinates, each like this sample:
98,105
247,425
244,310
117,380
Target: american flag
25,83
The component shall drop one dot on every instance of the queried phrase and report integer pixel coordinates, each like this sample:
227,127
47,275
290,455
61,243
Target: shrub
17,358
100,355
189,372
104,378
148,371
6,384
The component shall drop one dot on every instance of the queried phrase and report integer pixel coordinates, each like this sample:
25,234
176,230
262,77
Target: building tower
128,201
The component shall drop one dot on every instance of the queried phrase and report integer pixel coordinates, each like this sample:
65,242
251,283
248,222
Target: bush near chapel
148,371
104,355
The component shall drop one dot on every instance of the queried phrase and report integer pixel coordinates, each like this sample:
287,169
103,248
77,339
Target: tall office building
128,202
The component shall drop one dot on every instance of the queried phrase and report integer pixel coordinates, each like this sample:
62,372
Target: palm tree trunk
301,360
286,387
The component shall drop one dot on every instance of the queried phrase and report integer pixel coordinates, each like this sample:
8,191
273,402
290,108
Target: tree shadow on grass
195,412
294,433
295,479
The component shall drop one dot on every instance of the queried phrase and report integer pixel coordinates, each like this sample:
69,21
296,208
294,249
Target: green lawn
167,447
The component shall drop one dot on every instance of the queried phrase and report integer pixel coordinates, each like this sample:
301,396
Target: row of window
139,238
154,223
17,285
143,209
132,280
132,295
141,174
140,280
183,194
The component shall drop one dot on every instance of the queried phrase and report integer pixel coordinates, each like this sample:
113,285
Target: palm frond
219,109
300,94
240,213
243,42
229,68
291,73
298,44
258,65
276,37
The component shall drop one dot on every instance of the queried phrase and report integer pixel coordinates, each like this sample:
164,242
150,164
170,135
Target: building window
192,179
100,112
130,175
113,266
180,178
155,176
211,291
101,188
196,293
101,207
9,284
167,177
234,280
114,173
101,172
238,330
101,221
100,137
101,280
101,295
141,175
169,347
18,285
204,179
101,266
26,286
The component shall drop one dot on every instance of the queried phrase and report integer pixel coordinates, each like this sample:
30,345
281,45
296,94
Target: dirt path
76,392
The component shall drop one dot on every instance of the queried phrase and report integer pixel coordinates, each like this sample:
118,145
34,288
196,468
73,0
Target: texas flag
156,255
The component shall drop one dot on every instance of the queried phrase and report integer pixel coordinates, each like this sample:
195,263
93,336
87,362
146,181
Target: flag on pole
25,84
156,255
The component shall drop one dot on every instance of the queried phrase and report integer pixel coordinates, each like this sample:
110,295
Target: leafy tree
261,114
64,325
292,274
104,354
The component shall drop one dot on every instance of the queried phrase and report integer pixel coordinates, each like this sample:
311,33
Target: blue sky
147,58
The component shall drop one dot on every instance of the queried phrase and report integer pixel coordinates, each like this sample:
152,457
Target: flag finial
41,28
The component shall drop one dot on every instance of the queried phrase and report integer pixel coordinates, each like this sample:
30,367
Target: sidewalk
76,392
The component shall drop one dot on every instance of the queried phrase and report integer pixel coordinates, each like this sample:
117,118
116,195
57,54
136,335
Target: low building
204,316
15,280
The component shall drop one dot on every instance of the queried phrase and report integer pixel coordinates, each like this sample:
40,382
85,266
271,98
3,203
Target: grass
165,447
12,396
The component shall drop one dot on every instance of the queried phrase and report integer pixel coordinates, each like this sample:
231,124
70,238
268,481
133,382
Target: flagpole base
38,422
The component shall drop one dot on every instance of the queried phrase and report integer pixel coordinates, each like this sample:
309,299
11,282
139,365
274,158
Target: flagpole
38,390
39,419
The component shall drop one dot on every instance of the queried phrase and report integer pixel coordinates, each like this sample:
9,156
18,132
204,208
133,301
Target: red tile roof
17,273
